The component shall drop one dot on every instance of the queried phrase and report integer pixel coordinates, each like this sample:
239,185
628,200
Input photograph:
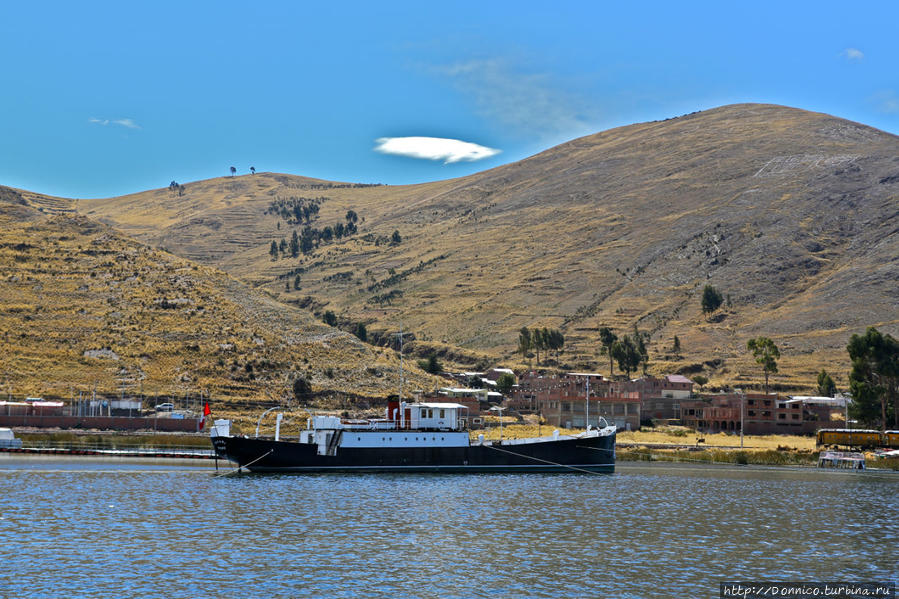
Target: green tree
431,364
826,386
253,170
505,382
296,282
273,250
555,340
766,354
538,342
540,339
330,318
607,338
396,239
233,170
287,286
302,390
641,340
307,241
711,299
524,342
701,380
874,377
294,244
675,347
361,332
627,354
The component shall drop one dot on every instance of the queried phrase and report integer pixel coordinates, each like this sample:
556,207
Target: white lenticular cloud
127,123
434,148
853,54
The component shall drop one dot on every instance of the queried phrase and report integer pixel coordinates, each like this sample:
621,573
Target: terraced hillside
81,305
792,215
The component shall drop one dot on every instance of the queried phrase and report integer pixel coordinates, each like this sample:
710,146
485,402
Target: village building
660,397
562,400
494,373
761,414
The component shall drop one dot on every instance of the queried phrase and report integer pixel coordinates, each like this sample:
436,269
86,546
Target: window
750,412
442,411
781,416
795,416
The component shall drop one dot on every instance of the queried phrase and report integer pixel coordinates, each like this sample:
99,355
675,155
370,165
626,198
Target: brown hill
791,214
83,306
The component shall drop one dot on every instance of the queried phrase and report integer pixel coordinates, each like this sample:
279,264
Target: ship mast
587,407
400,340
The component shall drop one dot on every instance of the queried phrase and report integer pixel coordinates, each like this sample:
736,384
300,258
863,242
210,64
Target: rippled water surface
88,528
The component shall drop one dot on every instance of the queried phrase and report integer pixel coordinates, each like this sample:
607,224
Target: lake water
103,529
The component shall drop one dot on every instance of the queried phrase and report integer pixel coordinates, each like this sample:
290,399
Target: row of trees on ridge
539,339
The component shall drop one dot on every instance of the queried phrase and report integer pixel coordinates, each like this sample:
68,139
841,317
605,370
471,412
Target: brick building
660,397
762,414
562,400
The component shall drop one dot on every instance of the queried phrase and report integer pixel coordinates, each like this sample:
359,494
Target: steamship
412,437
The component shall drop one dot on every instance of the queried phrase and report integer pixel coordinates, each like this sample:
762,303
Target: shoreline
195,447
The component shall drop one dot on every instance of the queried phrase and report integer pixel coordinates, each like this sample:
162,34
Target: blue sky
100,99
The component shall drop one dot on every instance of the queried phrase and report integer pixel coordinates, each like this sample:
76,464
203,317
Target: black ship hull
593,453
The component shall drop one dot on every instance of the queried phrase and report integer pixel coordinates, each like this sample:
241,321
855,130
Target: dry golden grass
689,437
84,307
511,430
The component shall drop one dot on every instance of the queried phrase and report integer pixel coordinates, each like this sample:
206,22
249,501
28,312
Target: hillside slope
83,306
791,214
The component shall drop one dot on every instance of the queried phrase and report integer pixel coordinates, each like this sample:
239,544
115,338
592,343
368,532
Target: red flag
206,412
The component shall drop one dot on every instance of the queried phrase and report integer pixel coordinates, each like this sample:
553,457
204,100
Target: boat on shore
413,437
844,460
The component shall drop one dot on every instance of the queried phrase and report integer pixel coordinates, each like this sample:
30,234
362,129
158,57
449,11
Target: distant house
761,414
677,386
494,373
